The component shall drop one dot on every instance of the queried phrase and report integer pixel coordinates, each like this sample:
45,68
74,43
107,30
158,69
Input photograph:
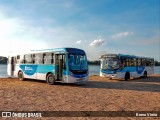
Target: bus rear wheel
50,79
127,76
145,74
20,75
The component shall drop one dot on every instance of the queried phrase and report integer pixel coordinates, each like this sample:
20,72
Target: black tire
127,76
20,75
50,79
145,74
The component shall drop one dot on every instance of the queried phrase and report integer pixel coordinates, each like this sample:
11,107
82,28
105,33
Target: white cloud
97,43
79,41
18,34
15,35
121,35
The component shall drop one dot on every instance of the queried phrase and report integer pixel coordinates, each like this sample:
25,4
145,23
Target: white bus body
52,65
125,66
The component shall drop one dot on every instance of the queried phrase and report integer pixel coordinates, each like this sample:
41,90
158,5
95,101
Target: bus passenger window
28,59
38,58
152,62
144,62
138,62
20,60
133,62
48,58
128,61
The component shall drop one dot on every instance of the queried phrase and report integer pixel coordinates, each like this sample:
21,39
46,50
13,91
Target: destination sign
109,56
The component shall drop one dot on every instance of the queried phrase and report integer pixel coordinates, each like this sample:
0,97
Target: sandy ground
99,94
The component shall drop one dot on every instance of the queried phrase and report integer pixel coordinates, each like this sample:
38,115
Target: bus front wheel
127,76
50,79
20,75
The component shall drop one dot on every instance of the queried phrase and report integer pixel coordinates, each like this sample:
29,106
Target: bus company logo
28,68
6,114
139,70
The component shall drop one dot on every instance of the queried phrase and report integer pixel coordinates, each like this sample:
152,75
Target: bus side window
22,61
138,62
28,59
128,61
152,62
48,58
133,62
39,58
123,62
148,62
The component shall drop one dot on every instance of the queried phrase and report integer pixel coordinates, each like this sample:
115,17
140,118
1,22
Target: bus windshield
77,62
110,64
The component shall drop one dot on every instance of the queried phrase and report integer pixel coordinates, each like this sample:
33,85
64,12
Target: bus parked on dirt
125,66
66,65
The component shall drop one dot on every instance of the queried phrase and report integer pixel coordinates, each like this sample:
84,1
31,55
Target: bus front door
60,66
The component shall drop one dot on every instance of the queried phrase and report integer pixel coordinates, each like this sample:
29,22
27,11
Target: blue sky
97,26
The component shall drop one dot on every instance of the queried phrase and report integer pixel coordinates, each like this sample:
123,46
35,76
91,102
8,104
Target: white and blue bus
125,66
66,65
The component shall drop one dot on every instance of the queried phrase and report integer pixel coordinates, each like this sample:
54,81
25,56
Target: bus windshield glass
77,62
110,64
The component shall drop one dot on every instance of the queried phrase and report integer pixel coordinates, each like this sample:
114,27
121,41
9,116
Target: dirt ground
99,94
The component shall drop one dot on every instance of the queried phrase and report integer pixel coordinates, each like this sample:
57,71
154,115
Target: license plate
80,79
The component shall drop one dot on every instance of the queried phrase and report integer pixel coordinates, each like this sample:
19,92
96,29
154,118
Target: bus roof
133,56
67,49
122,55
49,50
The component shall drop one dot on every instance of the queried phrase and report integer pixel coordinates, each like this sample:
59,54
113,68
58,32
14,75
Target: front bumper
76,80
108,75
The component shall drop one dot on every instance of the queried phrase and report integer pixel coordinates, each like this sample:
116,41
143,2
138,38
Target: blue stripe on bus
138,69
32,69
46,68
108,71
29,69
